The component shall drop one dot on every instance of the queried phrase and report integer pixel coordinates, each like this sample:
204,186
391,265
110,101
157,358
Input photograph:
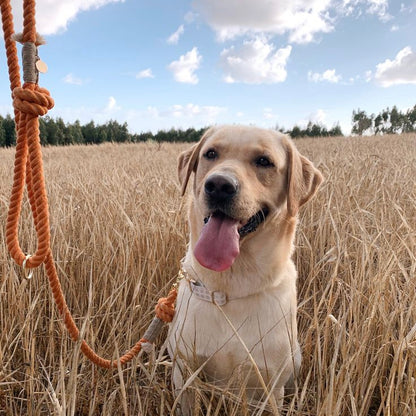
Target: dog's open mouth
219,242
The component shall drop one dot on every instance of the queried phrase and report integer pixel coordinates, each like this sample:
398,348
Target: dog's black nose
221,187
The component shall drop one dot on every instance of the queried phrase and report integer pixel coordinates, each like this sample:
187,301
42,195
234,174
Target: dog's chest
227,340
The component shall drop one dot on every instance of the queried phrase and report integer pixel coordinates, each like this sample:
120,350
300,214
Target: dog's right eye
264,162
211,154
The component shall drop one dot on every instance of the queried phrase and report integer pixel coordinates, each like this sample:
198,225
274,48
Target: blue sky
159,64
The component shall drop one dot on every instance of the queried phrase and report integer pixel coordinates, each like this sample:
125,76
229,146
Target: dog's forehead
247,140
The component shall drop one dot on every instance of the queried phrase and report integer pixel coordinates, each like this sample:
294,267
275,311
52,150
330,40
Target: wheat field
119,231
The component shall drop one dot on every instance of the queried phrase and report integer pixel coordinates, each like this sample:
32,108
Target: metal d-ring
27,275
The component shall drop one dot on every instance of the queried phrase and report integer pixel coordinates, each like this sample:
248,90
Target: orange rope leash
30,102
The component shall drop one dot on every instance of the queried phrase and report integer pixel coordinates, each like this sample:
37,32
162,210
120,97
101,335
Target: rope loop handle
30,102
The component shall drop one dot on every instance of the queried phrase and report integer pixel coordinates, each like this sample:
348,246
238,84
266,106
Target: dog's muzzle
220,190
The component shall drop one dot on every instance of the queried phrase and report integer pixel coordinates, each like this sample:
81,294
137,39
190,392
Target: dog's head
243,175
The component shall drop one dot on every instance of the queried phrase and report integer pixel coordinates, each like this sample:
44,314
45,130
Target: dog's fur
254,335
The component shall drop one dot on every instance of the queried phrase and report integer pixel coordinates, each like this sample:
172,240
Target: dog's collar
202,292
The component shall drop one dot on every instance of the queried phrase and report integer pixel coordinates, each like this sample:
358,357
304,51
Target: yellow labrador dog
235,320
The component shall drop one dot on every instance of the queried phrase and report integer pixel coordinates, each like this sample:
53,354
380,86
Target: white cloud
408,8
179,111
145,73
100,115
302,19
151,118
73,80
329,75
152,111
368,75
379,8
184,69
112,105
190,17
394,28
174,37
177,116
358,7
53,16
268,114
401,70
317,117
190,111
255,62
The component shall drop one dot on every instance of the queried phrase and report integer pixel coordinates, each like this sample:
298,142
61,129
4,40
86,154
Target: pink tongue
218,244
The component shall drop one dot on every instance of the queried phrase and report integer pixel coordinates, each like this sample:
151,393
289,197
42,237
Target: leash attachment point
27,274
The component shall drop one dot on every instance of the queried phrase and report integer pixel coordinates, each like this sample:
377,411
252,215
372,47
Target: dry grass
118,235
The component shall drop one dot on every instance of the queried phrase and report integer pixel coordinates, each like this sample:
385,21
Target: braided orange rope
30,102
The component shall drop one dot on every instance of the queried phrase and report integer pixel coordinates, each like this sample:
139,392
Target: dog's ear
188,161
303,179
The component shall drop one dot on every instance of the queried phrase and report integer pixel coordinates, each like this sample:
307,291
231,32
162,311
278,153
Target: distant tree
314,130
161,136
123,133
43,130
89,133
295,132
360,122
9,131
52,134
396,121
335,131
278,128
142,137
64,137
75,131
378,124
385,115
102,134
2,133
117,132
410,121
317,131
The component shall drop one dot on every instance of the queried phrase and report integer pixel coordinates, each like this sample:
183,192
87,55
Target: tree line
388,121
57,132
313,130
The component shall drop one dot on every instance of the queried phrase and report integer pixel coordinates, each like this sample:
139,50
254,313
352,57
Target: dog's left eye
264,162
211,154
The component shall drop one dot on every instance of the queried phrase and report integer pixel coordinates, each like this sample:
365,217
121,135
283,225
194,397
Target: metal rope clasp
28,275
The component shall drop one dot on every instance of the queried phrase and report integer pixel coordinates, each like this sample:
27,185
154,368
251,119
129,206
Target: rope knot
165,308
36,101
